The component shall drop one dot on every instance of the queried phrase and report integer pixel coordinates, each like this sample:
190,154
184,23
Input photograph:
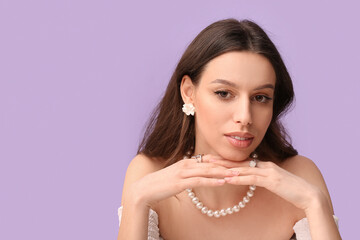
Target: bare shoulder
139,166
305,168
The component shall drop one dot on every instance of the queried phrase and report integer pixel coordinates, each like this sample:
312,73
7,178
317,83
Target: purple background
78,79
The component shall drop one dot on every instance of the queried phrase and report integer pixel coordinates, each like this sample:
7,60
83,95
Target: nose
242,112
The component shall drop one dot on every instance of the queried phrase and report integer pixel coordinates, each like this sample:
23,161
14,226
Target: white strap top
301,227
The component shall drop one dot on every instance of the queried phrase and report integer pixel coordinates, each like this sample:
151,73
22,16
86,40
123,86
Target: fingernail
228,179
221,181
235,172
211,160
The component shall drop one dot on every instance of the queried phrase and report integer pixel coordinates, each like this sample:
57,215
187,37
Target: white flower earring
188,108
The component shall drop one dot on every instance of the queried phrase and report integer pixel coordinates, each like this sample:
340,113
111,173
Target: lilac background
78,79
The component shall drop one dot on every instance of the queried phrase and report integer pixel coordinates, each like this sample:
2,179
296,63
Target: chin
236,155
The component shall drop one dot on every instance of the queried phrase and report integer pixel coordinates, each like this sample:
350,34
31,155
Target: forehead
245,69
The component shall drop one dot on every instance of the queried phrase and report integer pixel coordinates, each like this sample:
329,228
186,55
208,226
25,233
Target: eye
223,94
262,98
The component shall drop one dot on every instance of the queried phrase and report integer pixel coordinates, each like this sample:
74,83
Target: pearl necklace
230,210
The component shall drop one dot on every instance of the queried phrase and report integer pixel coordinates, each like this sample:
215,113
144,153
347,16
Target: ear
187,89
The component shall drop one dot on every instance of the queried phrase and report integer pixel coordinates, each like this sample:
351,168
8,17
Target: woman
216,141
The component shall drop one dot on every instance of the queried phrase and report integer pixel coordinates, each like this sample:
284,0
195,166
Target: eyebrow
231,84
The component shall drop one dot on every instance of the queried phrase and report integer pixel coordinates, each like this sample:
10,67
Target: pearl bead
195,200
252,187
236,208
204,210
229,211
199,205
223,212
191,195
216,213
246,199
189,190
210,213
250,193
241,204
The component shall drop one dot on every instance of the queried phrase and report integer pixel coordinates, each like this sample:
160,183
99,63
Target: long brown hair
170,134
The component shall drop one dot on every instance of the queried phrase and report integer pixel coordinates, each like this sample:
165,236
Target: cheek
205,112
208,114
263,118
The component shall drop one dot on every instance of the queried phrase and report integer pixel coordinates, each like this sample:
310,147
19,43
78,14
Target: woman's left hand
288,186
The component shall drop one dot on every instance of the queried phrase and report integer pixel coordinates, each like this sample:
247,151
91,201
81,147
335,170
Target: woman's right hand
171,180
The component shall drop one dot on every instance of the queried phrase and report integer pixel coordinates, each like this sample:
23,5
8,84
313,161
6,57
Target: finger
209,157
207,170
243,171
188,162
229,163
247,180
244,163
192,163
201,182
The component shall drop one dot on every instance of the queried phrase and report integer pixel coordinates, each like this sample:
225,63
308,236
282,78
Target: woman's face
234,104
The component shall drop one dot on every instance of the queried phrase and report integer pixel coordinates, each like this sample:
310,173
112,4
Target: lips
240,134
240,139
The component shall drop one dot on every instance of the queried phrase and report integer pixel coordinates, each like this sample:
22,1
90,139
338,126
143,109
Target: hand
169,181
272,177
